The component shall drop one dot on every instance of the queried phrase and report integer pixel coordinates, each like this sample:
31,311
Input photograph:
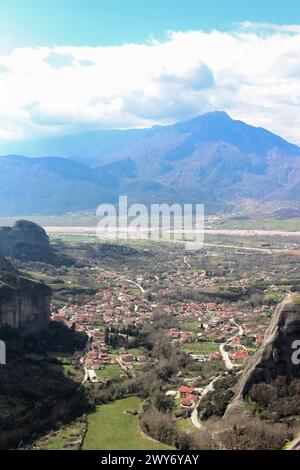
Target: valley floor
165,323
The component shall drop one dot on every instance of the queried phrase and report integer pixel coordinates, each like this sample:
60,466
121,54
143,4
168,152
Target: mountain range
210,159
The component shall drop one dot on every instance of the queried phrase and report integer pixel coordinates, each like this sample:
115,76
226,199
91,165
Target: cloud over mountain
252,72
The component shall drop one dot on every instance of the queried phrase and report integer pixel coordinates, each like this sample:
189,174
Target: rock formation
295,445
24,304
274,358
26,241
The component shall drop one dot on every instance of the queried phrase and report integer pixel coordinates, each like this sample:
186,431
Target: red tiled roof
185,389
192,398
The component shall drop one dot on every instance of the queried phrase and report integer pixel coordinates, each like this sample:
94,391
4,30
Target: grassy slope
109,428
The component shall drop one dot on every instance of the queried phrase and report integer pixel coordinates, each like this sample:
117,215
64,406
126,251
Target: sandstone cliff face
24,304
27,241
274,358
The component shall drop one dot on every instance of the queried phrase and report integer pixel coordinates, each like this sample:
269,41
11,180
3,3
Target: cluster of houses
112,307
122,303
216,322
188,396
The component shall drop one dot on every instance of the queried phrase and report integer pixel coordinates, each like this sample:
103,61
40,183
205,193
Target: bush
159,426
277,400
256,435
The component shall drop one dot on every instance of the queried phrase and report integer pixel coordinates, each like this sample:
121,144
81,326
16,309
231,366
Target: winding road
136,284
130,281
229,366
194,416
224,354
225,357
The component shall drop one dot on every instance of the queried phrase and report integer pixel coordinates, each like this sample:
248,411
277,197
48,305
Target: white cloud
267,27
253,73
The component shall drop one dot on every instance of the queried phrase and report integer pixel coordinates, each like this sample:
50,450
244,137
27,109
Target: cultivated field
110,428
201,348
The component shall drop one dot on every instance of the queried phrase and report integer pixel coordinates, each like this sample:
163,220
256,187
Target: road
88,343
241,331
194,416
86,375
87,348
122,278
229,366
136,284
129,373
225,356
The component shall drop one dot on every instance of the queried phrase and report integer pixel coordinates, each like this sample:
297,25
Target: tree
163,403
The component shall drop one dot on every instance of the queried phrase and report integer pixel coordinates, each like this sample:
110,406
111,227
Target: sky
69,66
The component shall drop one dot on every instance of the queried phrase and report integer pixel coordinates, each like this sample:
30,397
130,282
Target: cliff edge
24,304
275,357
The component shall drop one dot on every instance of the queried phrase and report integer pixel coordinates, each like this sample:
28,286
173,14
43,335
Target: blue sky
171,61
105,22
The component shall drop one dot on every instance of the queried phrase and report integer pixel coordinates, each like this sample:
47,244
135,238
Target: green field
110,372
201,348
66,220
136,351
185,425
296,299
91,220
192,325
109,428
283,225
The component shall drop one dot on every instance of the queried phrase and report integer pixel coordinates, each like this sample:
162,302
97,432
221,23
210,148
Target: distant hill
214,158
211,158
47,186
87,147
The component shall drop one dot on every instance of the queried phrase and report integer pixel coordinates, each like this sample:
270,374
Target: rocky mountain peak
25,240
